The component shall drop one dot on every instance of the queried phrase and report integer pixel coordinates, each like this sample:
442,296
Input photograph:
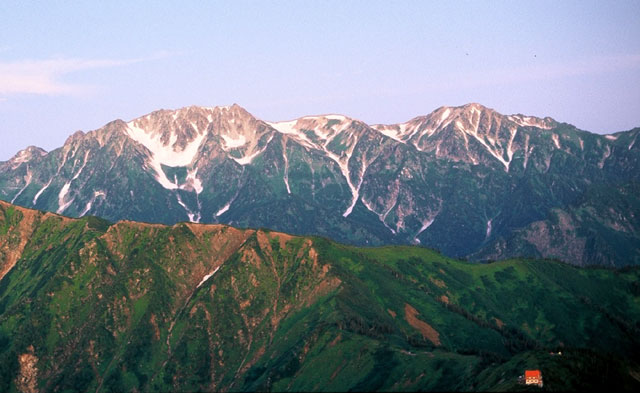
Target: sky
68,66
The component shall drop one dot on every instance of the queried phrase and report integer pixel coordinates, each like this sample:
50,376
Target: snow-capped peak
418,127
473,125
314,131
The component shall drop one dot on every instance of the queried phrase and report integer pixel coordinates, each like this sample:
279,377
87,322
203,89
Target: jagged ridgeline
465,180
86,305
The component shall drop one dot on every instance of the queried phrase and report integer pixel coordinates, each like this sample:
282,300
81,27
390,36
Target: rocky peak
236,126
320,130
469,114
177,129
174,128
76,136
26,155
472,118
465,133
532,121
425,126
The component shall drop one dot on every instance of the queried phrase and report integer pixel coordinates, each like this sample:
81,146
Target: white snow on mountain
165,153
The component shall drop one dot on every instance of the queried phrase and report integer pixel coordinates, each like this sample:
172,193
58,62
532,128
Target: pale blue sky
73,65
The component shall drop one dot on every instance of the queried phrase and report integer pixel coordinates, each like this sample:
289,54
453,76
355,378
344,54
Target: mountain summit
466,180
467,133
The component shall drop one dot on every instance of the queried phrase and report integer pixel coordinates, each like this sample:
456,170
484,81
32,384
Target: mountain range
467,180
87,305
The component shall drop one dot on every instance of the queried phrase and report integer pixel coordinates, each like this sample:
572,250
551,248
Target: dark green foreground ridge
86,305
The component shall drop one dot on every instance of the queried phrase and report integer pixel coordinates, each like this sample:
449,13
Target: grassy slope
117,307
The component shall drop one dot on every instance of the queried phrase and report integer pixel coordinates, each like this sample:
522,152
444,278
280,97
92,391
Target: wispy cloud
45,77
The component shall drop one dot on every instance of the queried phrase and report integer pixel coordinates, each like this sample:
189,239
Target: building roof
532,374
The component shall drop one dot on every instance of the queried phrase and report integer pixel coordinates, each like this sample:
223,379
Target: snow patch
382,217
21,157
611,137
606,155
356,190
24,156
526,150
445,114
466,139
165,154
556,140
208,276
84,163
231,143
246,160
64,160
35,198
392,132
318,127
286,164
193,180
289,128
426,224
28,181
343,164
90,203
513,131
527,121
62,206
193,216
225,208
286,127
474,133
195,127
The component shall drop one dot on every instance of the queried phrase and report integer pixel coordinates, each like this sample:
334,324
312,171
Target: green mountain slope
86,305
465,180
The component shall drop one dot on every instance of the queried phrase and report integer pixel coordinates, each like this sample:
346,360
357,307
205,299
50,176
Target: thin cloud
45,77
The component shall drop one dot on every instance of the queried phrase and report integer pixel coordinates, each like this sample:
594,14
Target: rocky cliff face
466,180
